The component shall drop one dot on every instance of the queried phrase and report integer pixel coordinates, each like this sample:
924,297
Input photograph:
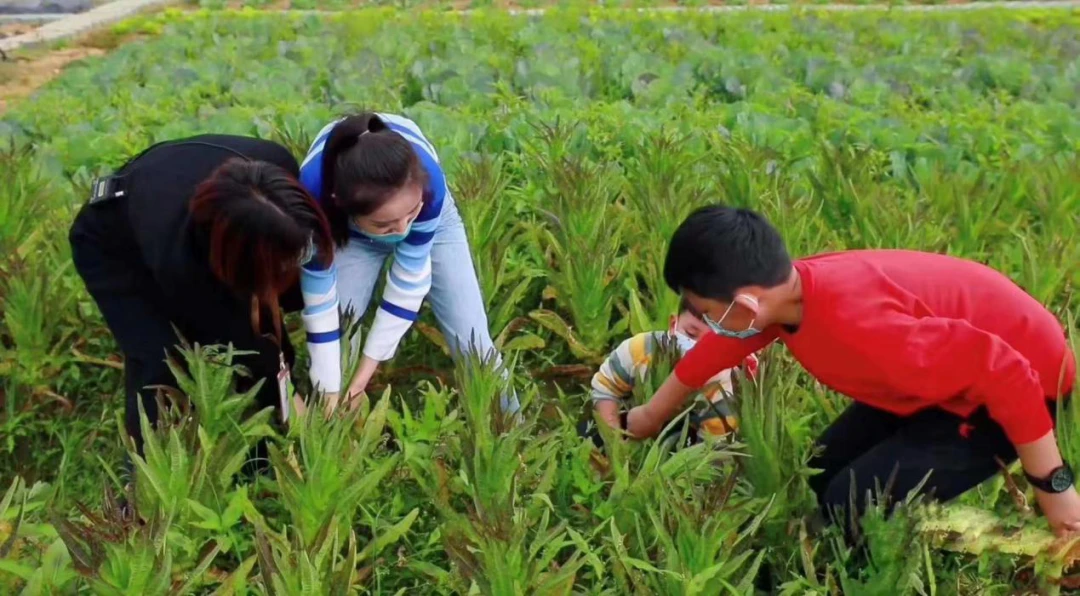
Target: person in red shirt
949,363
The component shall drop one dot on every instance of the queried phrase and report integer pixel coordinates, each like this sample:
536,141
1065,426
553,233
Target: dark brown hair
259,220
364,163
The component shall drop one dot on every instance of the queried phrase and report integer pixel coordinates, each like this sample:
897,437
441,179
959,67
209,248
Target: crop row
336,5
575,142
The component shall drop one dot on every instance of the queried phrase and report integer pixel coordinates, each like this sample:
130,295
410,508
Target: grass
574,143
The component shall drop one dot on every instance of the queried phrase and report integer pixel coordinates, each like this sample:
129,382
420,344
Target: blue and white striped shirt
408,280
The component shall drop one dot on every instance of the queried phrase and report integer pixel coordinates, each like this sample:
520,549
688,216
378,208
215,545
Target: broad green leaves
574,144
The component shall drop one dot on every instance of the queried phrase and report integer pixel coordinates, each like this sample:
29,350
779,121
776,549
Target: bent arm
213,316
322,322
648,420
711,355
409,279
940,359
407,284
615,378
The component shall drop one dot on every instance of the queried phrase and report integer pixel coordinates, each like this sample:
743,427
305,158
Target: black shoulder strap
114,185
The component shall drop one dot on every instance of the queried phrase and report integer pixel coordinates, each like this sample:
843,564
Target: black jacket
149,231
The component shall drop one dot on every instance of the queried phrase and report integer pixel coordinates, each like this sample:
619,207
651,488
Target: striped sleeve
311,167
409,278
318,285
322,324
624,365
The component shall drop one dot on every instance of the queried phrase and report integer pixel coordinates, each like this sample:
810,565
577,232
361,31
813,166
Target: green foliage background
574,143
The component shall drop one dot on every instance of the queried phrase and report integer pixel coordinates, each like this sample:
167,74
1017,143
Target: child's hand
587,429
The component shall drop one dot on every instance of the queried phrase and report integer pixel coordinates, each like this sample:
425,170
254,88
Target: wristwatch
1058,481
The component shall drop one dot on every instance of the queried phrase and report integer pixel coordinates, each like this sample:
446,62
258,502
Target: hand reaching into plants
648,419
1062,510
359,383
331,402
357,387
298,404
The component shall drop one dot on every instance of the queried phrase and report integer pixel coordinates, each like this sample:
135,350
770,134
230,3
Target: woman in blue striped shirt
381,185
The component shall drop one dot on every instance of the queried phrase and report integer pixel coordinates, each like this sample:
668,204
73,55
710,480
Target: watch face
1061,480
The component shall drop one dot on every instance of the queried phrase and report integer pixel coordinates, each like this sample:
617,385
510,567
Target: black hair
718,249
364,163
684,306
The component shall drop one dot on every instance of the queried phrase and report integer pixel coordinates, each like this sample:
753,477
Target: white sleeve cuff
385,336
324,348
326,366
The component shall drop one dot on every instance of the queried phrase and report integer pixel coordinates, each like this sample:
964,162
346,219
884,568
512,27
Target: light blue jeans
454,295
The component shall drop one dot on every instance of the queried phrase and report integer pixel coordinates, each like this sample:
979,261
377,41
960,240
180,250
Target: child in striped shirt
615,379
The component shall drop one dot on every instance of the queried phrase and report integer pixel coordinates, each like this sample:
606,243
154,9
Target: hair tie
363,133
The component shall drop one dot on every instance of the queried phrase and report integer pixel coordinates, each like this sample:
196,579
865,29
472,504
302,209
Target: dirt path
20,76
10,29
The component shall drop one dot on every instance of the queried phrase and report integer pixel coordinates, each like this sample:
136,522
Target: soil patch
20,76
15,28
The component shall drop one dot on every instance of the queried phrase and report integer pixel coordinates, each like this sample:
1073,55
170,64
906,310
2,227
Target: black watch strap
1059,480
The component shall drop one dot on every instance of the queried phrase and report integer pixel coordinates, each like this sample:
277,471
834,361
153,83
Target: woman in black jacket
207,234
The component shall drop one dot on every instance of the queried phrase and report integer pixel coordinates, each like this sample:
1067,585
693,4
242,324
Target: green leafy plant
574,141
579,221
484,196
203,437
327,472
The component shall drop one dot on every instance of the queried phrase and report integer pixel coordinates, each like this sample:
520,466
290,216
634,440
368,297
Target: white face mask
684,341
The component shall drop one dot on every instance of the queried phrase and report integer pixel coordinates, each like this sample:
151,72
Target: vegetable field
574,143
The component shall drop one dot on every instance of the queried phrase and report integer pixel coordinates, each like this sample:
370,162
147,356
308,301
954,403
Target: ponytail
364,163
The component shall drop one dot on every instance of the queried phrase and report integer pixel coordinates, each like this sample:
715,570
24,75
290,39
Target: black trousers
139,315
865,445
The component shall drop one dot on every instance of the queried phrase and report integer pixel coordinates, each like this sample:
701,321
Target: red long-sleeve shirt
903,330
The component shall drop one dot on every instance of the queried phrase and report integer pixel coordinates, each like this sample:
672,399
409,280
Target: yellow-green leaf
525,341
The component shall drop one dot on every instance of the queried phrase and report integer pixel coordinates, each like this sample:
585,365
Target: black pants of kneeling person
136,314
866,445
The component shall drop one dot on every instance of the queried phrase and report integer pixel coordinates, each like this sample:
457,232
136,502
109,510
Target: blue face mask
388,238
717,329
